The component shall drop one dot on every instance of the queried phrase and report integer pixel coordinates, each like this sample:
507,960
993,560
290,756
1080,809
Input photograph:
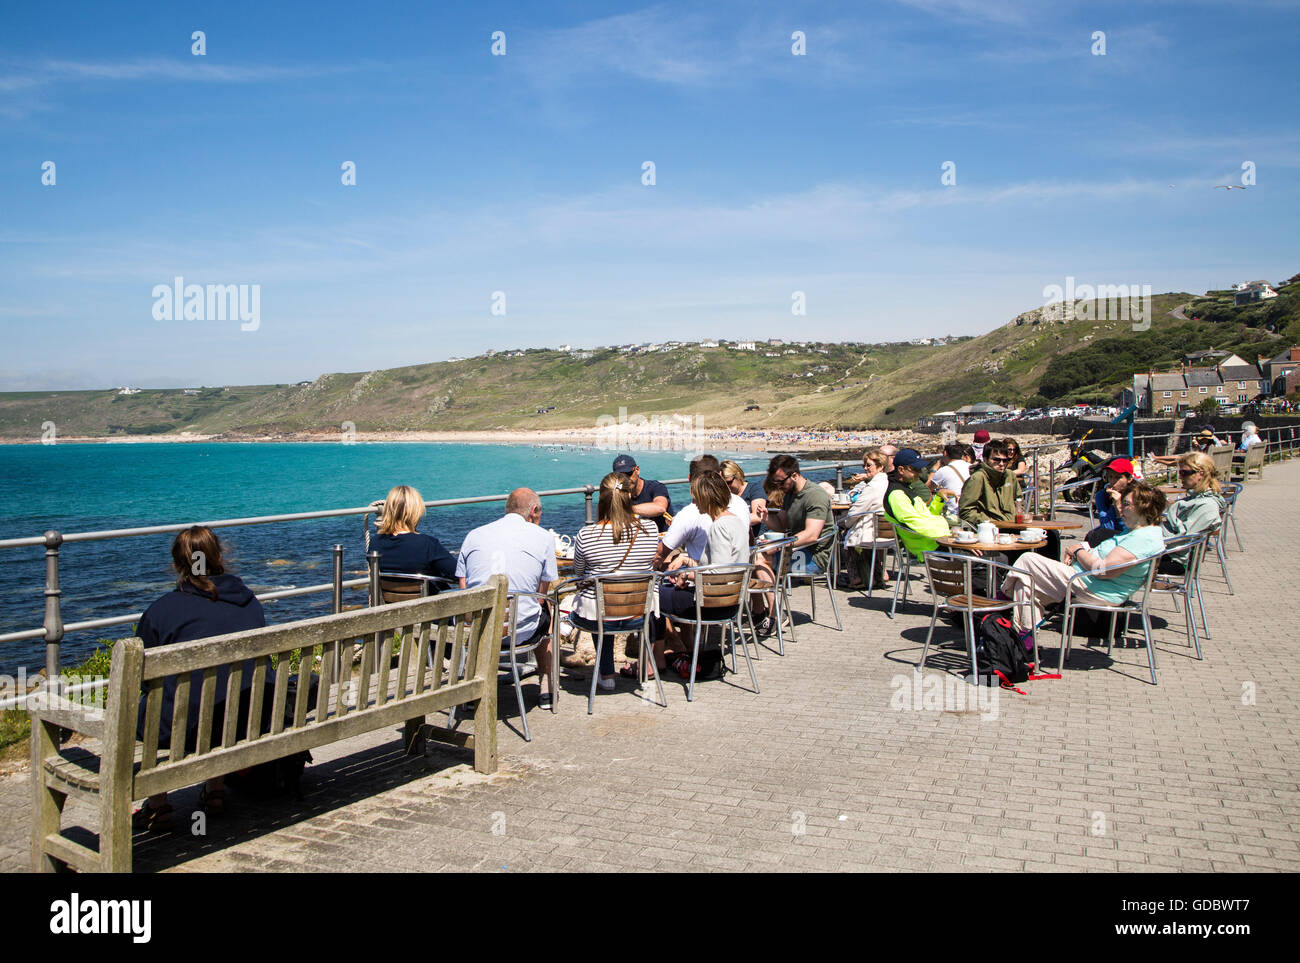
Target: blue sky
522,173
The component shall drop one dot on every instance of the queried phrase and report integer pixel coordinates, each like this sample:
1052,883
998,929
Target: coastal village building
1233,381
1248,291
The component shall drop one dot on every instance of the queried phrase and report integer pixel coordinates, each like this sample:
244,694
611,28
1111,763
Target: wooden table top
1052,525
1016,546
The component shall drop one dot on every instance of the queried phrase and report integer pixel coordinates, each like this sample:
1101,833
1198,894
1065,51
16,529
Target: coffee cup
1005,539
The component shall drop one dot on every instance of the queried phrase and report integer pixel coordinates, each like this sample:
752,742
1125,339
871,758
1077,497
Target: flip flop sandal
630,671
153,820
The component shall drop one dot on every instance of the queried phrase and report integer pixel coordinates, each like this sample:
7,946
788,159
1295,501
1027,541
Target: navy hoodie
186,614
414,553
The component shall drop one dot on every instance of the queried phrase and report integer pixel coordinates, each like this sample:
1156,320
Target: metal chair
1230,495
832,539
883,541
624,604
718,586
1136,604
1186,587
780,601
949,575
512,650
902,561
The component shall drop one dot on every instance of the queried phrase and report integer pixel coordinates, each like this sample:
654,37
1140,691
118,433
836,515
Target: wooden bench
1252,460
370,694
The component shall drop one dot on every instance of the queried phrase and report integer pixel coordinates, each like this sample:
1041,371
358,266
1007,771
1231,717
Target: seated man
649,497
991,490
805,513
1117,477
950,477
908,503
517,547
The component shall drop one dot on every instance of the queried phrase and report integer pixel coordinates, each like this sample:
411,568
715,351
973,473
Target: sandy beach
728,439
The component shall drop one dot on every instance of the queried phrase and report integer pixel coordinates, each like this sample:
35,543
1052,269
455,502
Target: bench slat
180,719
328,655
363,676
404,659
304,688
281,692
152,722
384,652
207,703
257,697
458,650
228,726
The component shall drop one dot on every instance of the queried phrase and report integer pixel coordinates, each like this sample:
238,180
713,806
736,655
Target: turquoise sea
85,487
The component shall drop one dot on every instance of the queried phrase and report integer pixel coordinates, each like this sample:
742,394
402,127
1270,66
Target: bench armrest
45,706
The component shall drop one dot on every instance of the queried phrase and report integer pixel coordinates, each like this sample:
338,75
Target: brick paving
1099,771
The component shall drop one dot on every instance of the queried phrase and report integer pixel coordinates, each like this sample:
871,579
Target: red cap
1121,465
981,437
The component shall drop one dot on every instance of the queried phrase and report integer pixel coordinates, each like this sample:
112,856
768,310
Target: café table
1173,492
1016,545
1047,525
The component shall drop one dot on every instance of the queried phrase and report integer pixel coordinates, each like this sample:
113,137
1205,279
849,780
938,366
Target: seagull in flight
1231,187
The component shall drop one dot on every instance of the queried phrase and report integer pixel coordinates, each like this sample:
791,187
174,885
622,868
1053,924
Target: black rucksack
999,651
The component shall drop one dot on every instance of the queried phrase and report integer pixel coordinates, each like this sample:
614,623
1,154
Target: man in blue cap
908,502
649,497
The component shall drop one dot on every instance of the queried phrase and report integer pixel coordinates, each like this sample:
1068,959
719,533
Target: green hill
1032,359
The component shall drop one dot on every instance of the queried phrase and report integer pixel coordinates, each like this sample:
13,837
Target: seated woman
755,497
207,601
1017,464
403,549
867,506
618,541
1036,580
728,545
1200,510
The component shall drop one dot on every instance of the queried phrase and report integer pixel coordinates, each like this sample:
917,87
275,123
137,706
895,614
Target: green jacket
920,514
1191,516
984,497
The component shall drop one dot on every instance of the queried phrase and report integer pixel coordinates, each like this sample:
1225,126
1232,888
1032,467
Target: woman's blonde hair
614,506
710,494
1205,465
403,508
732,472
876,457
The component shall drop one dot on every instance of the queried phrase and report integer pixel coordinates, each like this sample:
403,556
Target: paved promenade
822,770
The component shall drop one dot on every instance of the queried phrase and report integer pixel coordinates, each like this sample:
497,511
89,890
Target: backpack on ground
1000,652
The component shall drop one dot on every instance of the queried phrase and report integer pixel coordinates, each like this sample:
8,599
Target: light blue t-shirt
1141,542
516,548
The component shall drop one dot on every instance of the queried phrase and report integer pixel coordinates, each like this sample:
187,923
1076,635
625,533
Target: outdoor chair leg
1067,628
595,675
1191,627
835,609
1223,563
695,659
970,645
778,613
752,677
1200,602
925,650
1151,649
519,697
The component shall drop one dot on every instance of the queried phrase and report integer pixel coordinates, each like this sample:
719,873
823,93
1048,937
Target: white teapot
987,532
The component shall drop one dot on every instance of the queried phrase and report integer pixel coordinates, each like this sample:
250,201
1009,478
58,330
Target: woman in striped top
619,540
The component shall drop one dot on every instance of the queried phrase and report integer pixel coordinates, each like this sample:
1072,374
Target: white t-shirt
952,476
690,527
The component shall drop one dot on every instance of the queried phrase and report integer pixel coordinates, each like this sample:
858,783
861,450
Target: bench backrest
1222,456
365,697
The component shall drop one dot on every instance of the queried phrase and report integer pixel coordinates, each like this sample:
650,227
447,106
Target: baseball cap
624,464
1121,465
910,458
982,437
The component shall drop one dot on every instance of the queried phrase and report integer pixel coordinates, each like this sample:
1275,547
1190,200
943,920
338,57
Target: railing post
372,563
337,605
839,478
1035,508
53,609
1051,490
587,490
